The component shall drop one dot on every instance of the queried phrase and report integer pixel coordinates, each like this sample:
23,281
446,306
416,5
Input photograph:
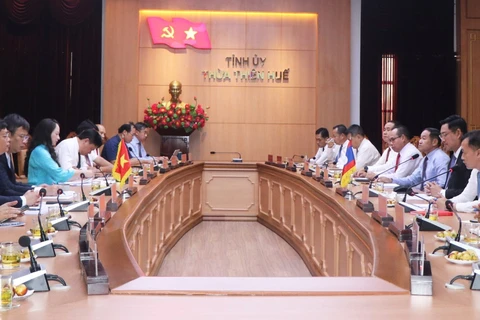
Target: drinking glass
135,171
11,256
95,185
380,187
7,291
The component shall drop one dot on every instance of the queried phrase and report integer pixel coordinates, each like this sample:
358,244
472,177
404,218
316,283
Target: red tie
397,162
388,153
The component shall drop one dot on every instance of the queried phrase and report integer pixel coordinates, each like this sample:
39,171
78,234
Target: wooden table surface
72,302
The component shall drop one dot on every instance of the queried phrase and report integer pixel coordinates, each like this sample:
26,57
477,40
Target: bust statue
175,90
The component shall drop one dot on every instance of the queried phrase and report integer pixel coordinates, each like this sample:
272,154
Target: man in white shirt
404,164
388,155
136,145
364,151
74,152
340,138
325,153
465,202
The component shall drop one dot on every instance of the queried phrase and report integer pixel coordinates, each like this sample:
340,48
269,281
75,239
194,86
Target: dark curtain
420,34
50,60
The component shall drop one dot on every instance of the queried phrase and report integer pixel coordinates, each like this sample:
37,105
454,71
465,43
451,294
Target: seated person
340,138
125,132
136,146
465,201
41,163
8,211
364,151
325,152
399,139
74,152
453,128
29,197
433,164
18,128
94,161
388,155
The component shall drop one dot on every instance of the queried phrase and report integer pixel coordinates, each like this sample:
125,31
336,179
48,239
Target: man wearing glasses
12,191
452,129
399,139
18,128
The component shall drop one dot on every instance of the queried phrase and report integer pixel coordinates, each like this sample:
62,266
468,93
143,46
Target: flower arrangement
163,116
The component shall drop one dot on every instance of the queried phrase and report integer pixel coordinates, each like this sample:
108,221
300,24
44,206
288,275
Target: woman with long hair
41,164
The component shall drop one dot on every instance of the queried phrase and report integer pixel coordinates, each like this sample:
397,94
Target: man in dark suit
21,199
18,128
451,132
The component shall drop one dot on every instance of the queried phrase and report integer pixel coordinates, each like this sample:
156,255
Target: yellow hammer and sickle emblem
168,32
123,161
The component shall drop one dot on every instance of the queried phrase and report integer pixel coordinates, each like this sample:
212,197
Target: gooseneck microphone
43,236
407,189
59,192
415,156
239,159
82,176
62,213
104,176
131,150
24,241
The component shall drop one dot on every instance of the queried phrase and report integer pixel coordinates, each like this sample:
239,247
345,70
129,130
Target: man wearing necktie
15,198
403,165
18,128
432,165
137,143
388,157
451,132
340,138
465,201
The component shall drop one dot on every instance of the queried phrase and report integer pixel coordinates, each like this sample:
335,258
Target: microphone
43,236
239,159
415,156
131,150
402,188
82,176
59,192
104,176
24,241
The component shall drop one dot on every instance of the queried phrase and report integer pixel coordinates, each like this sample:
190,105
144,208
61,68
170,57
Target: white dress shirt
392,156
342,158
67,154
464,201
403,170
366,154
317,156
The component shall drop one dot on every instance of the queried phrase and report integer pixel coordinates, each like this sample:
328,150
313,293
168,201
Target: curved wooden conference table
357,262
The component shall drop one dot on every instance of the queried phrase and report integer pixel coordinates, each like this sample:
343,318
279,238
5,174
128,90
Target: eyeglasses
24,137
444,134
6,136
393,139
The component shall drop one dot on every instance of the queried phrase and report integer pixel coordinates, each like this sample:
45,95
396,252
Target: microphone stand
239,159
35,278
62,214
45,248
82,176
449,247
107,191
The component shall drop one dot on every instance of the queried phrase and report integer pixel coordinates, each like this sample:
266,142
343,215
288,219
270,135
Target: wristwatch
449,205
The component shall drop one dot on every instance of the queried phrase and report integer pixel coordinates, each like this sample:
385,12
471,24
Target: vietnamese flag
178,33
121,168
